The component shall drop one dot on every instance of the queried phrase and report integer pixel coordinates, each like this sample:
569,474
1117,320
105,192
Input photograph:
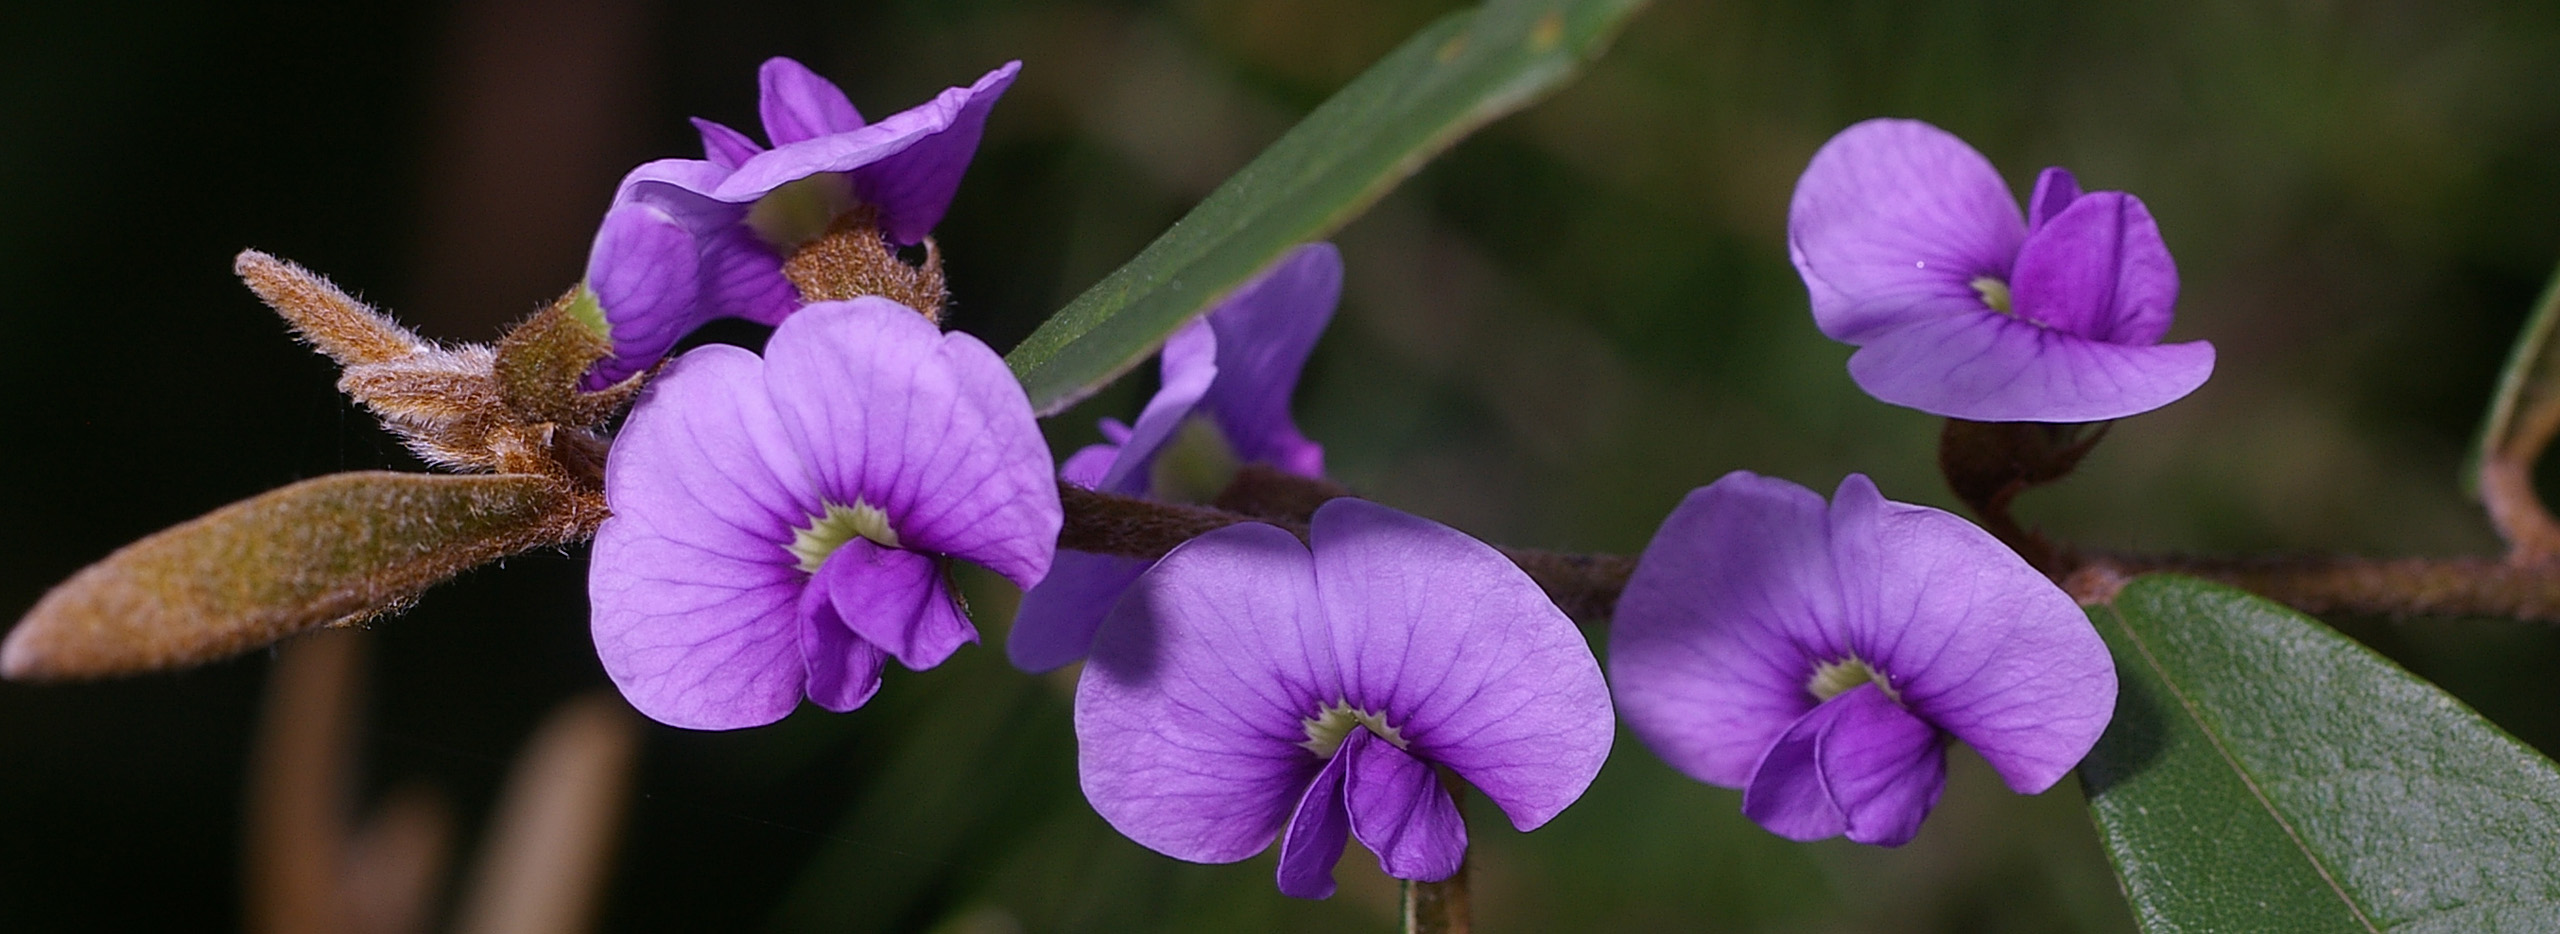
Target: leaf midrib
2203,726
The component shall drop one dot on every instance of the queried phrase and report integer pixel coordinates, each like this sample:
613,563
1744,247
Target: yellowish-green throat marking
1995,293
829,532
1832,679
1330,726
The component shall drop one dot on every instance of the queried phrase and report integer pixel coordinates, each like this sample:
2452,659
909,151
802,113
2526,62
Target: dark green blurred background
1548,337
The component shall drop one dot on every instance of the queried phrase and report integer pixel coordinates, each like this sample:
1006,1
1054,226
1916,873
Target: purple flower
1251,683
1816,657
1915,253
689,240
1235,368
779,524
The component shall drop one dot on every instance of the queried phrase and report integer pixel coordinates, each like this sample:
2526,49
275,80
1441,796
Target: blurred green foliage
1547,338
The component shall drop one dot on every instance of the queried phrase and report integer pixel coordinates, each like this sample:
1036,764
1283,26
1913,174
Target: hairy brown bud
331,550
853,259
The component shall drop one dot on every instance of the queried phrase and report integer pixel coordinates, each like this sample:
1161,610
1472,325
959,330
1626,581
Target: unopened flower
780,525
1818,657
1235,368
1914,251
689,240
1250,683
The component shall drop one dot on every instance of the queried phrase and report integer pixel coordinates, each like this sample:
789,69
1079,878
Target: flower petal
844,670
1057,619
928,427
1989,367
724,147
1086,467
797,104
1979,643
1858,764
906,166
742,277
694,595
1892,222
1400,812
1714,637
1317,831
2056,188
642,270
1883,766
2099,270
895,599
1463,654
1190,368
1266,329
1189,715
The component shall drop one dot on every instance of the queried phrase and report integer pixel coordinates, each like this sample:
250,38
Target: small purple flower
1250,683
1817,657
689,240
780,524
1914,252
1235,367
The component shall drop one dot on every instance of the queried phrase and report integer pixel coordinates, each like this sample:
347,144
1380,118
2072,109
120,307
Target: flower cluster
781,523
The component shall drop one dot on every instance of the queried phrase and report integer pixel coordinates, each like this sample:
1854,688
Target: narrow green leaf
1452,77
331,549
2264,773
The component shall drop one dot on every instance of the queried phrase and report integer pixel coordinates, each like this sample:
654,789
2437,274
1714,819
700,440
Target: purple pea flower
1250,683
779,524
689,240
1914,252
1236,367
1817,657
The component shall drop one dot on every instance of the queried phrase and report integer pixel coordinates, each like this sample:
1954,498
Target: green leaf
2264,773
1454,76
333,549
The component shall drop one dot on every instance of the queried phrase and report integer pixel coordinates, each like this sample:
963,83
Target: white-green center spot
829,532
1332,724
1195,466
800,211
1832,679
1994,292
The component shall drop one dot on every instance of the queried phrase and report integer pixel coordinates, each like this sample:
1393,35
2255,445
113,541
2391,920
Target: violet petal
1463,654
1858,764
1892,222
724,147
1707,648
895,599
1189,714
1882,766
844,670
2098,270
1399,811
907,166
742,277
1978,642
797,104
694,600
1190,367
2056,188
1989,367
1318,828
642,270
1057,619
1266,330
928,427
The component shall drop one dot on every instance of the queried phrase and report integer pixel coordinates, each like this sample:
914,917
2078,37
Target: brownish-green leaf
332,549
